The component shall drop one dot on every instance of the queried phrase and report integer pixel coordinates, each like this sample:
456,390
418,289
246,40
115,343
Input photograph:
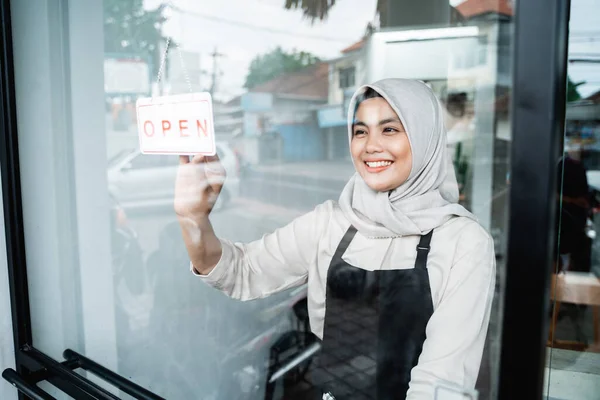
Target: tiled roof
353,47
595,97
311,81
474,8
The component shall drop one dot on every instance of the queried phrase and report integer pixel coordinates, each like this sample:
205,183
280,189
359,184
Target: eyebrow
382,122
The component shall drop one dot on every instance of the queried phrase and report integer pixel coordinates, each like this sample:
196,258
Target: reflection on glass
574,341
281,85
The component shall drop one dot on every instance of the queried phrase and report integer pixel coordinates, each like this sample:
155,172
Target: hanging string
164,58
183,68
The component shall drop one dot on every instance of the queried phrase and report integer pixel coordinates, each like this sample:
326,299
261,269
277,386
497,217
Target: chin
379,186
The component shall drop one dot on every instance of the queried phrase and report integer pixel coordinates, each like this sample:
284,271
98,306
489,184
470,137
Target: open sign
181,124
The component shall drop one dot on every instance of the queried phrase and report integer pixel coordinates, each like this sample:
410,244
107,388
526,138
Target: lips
377,166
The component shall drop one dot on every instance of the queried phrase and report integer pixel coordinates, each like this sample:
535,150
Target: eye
359,132
389,129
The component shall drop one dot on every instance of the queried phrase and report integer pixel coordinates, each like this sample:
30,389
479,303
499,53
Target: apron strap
344,243
423,250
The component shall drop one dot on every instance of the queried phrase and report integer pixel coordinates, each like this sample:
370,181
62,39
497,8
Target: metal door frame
538,100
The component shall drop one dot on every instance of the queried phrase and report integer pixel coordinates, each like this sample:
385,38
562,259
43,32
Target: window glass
347,77
109,271
144,161
573,351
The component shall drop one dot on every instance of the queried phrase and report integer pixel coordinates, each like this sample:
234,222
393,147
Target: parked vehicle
141,180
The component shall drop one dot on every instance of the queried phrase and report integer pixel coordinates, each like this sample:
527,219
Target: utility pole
215,70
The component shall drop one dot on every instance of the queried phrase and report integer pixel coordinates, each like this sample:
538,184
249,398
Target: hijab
429,197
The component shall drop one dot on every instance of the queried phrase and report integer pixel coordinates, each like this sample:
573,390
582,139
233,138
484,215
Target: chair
576,288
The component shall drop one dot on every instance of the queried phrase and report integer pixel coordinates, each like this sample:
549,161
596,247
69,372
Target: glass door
574,340
105,302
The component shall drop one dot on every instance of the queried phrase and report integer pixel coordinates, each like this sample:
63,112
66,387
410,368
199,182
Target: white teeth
377,164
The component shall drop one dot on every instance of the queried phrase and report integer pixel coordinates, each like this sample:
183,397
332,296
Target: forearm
203,246
275,262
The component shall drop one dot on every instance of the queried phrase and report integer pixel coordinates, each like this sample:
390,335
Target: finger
213,158
216,182
198,159
184,160
213,165
214,168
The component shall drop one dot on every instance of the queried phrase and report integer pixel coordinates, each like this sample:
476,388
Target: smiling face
380,147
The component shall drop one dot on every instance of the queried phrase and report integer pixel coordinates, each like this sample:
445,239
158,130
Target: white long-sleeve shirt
461,266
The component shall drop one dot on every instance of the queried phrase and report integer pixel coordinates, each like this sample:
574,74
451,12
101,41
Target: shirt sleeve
278,261
458,327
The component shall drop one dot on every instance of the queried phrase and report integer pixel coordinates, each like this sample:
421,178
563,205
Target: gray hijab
429,197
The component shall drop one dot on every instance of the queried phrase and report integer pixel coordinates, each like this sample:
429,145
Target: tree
268,66
312,9
131,29
319,9
572,92
391,12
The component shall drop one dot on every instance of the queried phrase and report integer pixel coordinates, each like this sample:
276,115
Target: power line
584,39
240,24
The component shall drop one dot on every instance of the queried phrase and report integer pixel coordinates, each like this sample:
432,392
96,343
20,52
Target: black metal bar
538,111
70,389
66,374
11,196
117,380
36,372
585,60
43,374
11,190
28,389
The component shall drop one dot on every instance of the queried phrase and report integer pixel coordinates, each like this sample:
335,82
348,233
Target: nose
373,144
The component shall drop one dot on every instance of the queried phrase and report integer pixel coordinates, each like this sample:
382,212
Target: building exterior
274,121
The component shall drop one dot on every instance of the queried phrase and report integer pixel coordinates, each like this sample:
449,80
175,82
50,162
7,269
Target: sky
242,29
585,42
240,44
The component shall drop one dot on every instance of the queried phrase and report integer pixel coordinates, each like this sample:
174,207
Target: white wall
291,111
416,54
336,94
78,298
59,88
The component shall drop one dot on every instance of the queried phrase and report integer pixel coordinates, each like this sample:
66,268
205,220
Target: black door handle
62,376
28,389
61,371
111,377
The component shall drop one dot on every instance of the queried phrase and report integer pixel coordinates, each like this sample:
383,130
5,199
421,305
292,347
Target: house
491,61
346,73
486,61
229,118
275,121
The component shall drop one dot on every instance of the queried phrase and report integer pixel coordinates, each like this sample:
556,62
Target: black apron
374,326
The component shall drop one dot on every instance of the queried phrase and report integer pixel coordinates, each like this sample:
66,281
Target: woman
412,269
